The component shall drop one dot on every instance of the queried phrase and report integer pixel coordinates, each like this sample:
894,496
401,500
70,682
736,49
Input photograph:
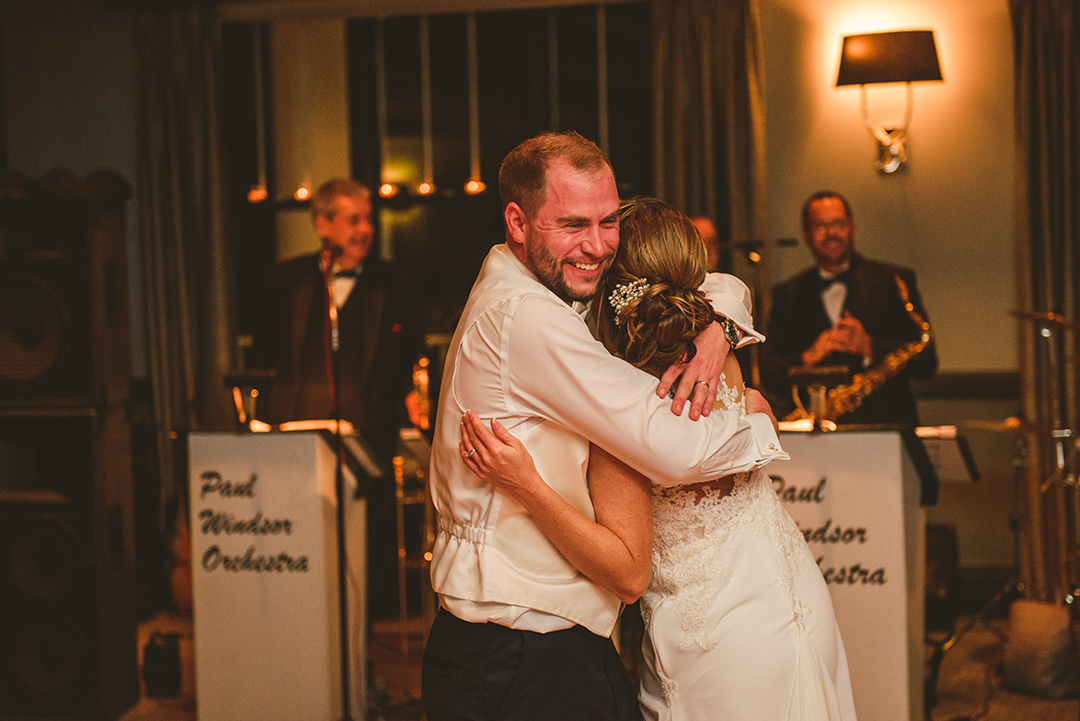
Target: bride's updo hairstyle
652,309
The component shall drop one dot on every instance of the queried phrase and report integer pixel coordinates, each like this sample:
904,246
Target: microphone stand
332,345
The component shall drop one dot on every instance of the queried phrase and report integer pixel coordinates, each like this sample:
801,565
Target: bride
739,625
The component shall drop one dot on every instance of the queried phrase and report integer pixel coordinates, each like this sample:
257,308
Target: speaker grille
50,657
46,610
46,558
34,329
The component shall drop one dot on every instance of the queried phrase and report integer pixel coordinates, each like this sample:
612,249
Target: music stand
949,453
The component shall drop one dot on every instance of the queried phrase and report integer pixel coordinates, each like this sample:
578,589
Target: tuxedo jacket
798,316
380,337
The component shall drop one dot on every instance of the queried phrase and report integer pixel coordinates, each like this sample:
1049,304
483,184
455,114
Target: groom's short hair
523,174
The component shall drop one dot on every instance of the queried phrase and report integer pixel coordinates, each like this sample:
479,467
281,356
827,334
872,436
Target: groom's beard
549,271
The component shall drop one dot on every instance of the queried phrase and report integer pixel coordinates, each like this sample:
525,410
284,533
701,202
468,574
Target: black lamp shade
896,57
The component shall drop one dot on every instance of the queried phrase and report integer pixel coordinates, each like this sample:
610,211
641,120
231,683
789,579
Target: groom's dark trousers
488,672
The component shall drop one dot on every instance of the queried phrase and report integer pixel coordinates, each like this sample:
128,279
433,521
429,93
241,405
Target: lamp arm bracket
886,137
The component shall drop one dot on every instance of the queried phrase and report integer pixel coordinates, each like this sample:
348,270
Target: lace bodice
695,539
737,603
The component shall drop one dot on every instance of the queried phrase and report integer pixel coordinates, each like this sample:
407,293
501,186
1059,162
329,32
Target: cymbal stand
1017,518
1065,465
1065,475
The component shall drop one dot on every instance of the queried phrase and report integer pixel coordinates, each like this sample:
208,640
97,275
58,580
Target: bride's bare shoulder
729,395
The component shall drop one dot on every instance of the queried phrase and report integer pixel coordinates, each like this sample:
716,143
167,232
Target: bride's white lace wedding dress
739,625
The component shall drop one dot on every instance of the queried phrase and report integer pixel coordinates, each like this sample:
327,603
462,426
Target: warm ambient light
475,187
331,425
894,57
936,431
238,401
257,194
806,425
302,193
425,188
388,190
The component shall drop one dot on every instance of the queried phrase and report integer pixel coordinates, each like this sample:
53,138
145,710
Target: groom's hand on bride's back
756,403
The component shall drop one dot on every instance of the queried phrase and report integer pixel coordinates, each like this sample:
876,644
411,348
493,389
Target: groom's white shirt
522,355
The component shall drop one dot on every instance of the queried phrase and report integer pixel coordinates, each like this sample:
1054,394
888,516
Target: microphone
330,253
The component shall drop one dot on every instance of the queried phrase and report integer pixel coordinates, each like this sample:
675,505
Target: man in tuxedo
846,311
378,335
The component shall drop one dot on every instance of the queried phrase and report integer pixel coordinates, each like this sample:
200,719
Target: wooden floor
969,685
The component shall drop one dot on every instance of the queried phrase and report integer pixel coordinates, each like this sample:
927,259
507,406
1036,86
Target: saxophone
846,398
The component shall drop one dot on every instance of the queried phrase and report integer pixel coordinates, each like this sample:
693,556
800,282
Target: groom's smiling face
572,239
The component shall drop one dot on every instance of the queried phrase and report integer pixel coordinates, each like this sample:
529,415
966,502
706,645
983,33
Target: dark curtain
190,304
1047,74
708,113
709,127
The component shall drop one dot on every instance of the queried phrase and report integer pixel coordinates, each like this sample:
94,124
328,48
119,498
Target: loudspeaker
44,309
68,643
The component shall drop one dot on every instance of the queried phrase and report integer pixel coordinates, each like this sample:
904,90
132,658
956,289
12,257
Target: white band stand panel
265,599
855,496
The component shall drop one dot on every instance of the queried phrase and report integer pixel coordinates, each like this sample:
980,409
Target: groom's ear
515,222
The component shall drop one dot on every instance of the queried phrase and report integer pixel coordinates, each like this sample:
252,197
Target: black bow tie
845,278
353,272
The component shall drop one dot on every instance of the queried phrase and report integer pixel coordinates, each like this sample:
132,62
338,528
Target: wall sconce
895,57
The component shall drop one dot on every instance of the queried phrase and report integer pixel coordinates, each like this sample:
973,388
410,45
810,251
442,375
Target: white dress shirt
522,355
342,284
833,296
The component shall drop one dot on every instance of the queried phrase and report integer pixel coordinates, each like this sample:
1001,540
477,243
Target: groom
520,634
